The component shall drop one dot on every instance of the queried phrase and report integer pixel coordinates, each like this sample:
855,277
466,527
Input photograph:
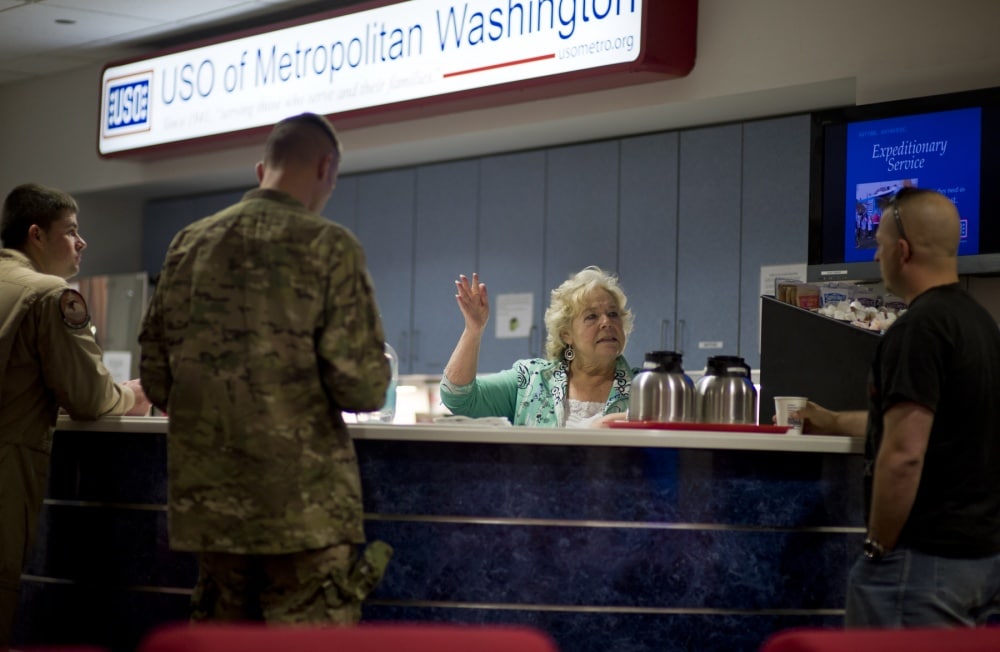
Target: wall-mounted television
864,154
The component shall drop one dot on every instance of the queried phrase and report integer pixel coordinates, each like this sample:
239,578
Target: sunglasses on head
893,202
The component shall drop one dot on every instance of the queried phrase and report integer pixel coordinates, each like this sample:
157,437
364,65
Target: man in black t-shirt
932,449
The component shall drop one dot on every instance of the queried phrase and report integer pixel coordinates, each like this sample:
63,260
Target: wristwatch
873,549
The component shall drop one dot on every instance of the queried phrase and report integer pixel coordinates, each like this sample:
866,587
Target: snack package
783,288
840,311
867,297
807,296
833,292
893,303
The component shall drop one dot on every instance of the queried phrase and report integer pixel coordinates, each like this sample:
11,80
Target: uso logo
126,104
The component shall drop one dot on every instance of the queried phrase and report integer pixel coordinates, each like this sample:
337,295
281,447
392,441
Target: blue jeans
907,588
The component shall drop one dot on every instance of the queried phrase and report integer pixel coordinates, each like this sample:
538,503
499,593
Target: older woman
584,380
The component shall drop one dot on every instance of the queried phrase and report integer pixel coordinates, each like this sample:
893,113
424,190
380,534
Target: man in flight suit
48,359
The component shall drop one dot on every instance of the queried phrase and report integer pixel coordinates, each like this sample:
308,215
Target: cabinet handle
404,350
415,342
532,332
664,325
679,347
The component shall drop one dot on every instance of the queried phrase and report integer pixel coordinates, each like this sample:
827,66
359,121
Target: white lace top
580,414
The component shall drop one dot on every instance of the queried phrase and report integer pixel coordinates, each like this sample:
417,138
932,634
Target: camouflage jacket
262,328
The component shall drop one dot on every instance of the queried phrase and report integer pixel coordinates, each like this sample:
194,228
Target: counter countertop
485,434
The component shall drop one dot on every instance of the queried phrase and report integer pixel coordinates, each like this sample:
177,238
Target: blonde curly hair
571,297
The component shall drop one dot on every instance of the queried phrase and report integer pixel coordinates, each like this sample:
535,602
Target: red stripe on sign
499,65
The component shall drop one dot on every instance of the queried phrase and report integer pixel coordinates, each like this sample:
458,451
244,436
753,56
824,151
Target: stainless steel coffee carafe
661,391
725,394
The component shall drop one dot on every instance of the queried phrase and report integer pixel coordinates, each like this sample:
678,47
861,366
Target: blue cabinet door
708,273
447,203
581,210
511,251
775,220
343,205
385,209
163,218
648,240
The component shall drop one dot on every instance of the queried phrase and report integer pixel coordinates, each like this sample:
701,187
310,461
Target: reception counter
609,539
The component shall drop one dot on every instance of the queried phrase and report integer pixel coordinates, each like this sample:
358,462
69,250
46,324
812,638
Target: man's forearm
893,493
852,423
898,467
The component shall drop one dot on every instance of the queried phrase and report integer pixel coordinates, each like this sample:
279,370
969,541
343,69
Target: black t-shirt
944,354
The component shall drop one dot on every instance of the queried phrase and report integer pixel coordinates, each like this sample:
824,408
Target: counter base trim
169,590
677,611
546,522
148,507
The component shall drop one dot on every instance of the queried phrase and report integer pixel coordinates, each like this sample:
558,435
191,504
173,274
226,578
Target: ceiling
49,37
43,37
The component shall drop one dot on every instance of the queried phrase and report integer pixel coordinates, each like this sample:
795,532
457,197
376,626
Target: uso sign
389,61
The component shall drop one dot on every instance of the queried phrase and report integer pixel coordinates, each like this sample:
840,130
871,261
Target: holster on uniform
368,570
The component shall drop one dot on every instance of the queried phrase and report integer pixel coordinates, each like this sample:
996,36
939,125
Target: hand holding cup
784,407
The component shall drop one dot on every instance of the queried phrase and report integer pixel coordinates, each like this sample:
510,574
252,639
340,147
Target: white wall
754,58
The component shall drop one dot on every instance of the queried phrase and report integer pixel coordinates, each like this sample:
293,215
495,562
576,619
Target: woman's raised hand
473,301
475,306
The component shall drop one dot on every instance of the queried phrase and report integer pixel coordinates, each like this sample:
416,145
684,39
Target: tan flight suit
48,359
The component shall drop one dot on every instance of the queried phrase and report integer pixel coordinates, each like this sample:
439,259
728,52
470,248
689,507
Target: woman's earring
569,353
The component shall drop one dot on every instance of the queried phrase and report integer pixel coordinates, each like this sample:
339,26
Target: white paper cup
785,404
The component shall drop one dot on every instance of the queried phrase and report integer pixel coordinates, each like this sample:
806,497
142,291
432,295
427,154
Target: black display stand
804,353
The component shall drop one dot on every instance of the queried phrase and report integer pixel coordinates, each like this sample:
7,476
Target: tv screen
863,155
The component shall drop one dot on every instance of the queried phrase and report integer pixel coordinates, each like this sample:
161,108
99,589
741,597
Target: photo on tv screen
939,151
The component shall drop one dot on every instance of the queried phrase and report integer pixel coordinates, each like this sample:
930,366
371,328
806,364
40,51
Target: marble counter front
609,539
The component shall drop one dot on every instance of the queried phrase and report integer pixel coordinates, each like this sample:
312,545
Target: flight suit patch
74,309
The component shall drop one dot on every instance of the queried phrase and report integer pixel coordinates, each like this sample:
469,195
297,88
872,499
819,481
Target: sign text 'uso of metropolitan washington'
388,55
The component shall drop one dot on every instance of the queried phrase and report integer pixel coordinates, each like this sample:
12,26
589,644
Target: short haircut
32,203
571,297
301,139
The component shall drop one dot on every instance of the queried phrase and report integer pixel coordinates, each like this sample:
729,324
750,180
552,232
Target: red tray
710,427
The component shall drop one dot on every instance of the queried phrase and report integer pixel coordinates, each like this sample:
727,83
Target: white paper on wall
514,315
119,363
768,274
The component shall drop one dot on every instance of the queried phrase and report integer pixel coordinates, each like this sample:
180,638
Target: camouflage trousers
309,587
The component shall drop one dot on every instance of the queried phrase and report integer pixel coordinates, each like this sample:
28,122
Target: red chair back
368,637
977,639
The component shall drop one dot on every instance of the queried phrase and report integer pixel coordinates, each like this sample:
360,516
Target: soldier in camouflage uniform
262,328
48,359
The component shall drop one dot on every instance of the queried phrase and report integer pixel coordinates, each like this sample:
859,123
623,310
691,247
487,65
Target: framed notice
514,315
